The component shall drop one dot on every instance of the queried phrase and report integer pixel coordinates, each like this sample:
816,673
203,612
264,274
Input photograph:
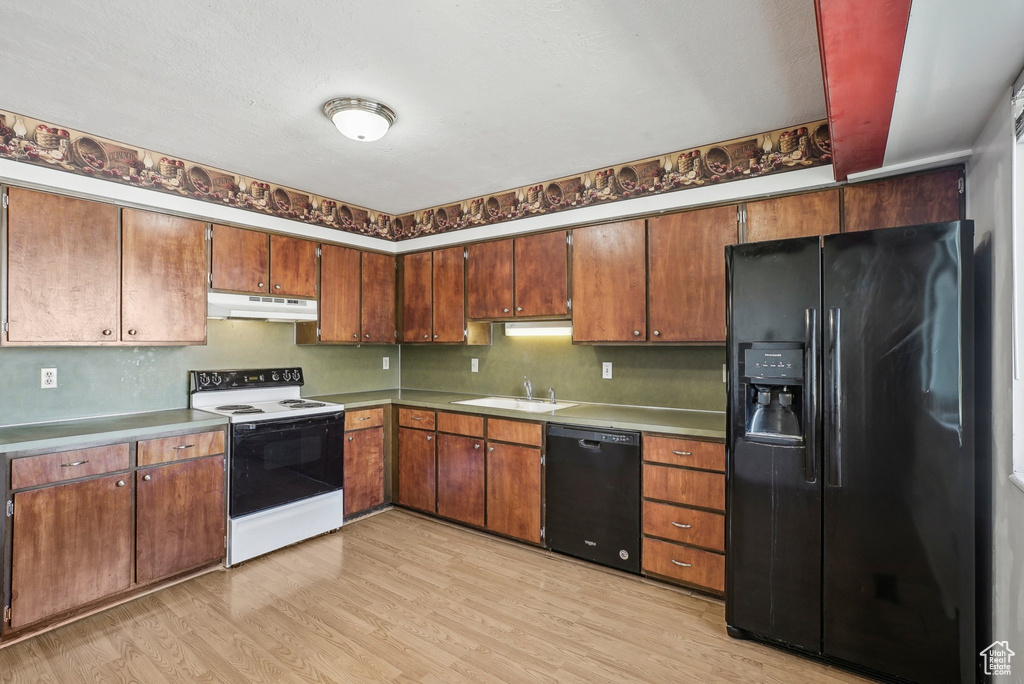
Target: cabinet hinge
5,326
465,333
959,186
465,253
318,333
568,303
7,200
7,614
10,508
319,251
542,460
211,277
209,233
542,533
568,239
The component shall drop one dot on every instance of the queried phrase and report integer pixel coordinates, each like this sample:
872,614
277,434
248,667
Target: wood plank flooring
397,597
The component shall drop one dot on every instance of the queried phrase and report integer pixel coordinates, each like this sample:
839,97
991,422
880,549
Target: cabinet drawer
416,418
460,424
687,525
689,487
368,418
169,449
684,452
514,431
685,563
32,471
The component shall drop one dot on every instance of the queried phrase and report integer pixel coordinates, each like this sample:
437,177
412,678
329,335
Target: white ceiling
958,59
489,95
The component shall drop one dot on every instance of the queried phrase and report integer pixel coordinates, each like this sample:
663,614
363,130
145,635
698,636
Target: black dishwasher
593,495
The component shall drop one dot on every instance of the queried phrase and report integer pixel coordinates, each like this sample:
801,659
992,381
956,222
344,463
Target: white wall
989,203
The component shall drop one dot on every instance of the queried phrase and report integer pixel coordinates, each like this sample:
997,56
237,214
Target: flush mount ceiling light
360,119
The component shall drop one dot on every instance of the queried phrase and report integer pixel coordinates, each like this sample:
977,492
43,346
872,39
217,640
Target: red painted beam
861,43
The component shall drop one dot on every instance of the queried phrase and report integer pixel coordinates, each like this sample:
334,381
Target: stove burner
305,404
251,409
233,407
289,402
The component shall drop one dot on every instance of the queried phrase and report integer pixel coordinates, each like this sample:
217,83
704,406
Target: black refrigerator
850,453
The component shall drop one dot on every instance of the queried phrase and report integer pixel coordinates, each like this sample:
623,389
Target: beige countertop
706,424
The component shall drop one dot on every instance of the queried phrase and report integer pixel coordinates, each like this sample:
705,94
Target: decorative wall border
32,141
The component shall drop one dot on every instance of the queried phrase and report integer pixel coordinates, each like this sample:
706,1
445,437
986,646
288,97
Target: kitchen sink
525,405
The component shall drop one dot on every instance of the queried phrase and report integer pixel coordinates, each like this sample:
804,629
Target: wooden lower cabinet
180,521
364,466
417,469
72,546
514,491
460,478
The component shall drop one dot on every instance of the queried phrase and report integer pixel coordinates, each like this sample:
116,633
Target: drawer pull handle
120,483
682,453
365,418
685,527
682,565
417,417
184,446
147,478
72,465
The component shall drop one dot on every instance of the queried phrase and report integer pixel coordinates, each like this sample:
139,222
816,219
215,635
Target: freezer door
898,594
773,491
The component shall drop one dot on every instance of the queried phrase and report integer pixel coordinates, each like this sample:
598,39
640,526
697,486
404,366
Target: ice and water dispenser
772,383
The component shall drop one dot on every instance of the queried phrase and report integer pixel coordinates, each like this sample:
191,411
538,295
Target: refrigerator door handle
811,395
834,418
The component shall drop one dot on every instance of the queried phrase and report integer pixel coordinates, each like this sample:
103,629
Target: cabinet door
513,491
163,278
339,294
364,470
903,201
489,280
449,295
292,266
62,269
609,283
416,297
813,213
686,274
241,260
72,545
378,310
460,478
542,275
417,469
180,517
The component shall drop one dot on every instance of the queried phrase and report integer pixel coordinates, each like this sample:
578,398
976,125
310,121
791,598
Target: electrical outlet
47,378
387,362
474,365
606,370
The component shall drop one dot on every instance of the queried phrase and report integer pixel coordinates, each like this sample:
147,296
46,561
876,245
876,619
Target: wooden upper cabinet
72,545
813,213
292,266
609,283
378,309
180,521
686,274
449,283
904,201
339,294
416,297
241,260
163,278
62,260
542,274
489,291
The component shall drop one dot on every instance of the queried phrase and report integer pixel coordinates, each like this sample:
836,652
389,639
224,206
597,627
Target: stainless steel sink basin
524,405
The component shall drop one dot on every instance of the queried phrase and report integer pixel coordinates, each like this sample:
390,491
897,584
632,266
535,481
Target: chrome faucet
552,391
529,388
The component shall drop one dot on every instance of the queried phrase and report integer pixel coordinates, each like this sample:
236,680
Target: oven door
276,462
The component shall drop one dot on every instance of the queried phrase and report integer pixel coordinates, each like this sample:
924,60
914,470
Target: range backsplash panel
32,141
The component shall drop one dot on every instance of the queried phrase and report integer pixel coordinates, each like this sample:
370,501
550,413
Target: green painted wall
674,377
106,380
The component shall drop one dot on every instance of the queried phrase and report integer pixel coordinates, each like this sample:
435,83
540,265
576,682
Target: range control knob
215,378
204,379
287,375
274,376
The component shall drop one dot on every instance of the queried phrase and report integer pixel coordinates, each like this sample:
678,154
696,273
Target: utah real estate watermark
997,658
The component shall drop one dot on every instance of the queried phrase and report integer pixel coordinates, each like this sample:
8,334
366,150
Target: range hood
259,307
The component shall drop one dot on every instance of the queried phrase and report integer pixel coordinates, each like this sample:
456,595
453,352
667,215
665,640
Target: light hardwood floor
401,598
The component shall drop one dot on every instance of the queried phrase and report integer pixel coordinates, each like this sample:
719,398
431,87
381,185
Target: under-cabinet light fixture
538,329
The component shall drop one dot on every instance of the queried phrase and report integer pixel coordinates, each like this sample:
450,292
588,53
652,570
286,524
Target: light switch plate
387,362
47,378
606,370
474,365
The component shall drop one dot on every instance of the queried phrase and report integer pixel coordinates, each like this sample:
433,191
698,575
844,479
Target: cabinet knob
108,331
147,478
435,337
259,285
519,308
367,335
656,333
430,437
350,439
505,310
277,287
490,448
132,331
476,446
426,337
636,333
355,336
120,483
